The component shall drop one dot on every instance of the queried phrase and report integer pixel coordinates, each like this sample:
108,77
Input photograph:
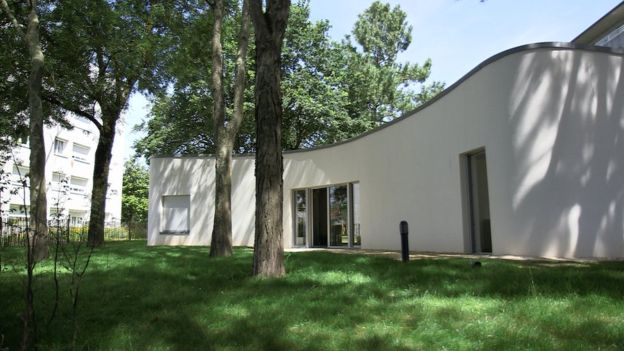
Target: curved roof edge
488,61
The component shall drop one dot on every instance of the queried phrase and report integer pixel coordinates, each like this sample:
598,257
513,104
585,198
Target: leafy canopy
134,199
332,90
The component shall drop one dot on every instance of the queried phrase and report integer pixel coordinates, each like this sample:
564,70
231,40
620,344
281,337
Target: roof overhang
602,27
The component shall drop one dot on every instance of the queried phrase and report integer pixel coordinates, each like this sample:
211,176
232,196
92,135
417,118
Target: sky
457,35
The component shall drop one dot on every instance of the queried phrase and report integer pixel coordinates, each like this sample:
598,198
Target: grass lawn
176,298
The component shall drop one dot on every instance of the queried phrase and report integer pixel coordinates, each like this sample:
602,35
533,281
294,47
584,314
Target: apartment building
70,155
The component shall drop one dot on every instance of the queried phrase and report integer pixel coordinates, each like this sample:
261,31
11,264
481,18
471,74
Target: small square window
175,214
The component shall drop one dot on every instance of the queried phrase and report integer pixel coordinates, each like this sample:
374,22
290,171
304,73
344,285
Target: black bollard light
404,242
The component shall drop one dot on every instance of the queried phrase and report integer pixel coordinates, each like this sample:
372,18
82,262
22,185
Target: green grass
176,298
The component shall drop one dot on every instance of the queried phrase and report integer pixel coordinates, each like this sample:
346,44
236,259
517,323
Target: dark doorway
319,217
481,234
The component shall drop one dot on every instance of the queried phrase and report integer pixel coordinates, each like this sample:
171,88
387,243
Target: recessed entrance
334,216
478,202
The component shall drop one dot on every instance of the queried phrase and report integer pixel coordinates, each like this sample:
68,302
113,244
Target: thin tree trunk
221,242
101,167
269,32
38,199
37,247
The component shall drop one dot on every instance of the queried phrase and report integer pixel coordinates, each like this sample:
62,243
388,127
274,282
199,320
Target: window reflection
301,221
338,215
355,213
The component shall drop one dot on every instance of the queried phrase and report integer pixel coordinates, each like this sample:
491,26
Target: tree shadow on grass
176,298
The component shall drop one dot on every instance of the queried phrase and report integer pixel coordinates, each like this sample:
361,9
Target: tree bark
103,154
269,33
221,241
38,199
225,135
37,229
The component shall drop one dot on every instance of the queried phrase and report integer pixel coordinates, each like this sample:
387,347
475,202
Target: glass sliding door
301,217
319,217
327,216
355,214
338,215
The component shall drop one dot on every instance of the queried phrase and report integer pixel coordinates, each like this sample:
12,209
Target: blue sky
456,34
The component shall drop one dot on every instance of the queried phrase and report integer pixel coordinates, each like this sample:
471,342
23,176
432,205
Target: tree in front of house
270,25
104,51
134,198
226,126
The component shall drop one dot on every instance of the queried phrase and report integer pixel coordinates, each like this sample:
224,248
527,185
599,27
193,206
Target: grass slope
176,298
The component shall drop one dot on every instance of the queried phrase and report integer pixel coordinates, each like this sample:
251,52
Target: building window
301,217
23,140
338,215
355,213
175,214
76,219
56,177
59,181
56,217
80,153
20,173
78,185
18,210
59,146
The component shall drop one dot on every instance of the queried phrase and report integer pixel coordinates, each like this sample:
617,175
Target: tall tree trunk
269,31
101,166
221,242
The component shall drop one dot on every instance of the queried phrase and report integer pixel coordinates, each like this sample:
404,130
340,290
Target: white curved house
523,156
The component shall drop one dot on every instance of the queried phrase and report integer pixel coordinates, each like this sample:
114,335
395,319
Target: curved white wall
550,119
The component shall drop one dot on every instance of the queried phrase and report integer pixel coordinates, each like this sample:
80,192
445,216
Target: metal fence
13,231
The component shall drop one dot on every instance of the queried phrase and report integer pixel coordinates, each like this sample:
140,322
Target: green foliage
13,81
14,73
381,88
313,99
103,50
181,120
134,198
383,33
331,91
171,298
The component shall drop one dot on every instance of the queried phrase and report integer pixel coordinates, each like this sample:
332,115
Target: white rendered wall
551,121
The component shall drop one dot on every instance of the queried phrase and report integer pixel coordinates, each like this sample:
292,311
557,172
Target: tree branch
73,109
240,75
7,10
257,15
